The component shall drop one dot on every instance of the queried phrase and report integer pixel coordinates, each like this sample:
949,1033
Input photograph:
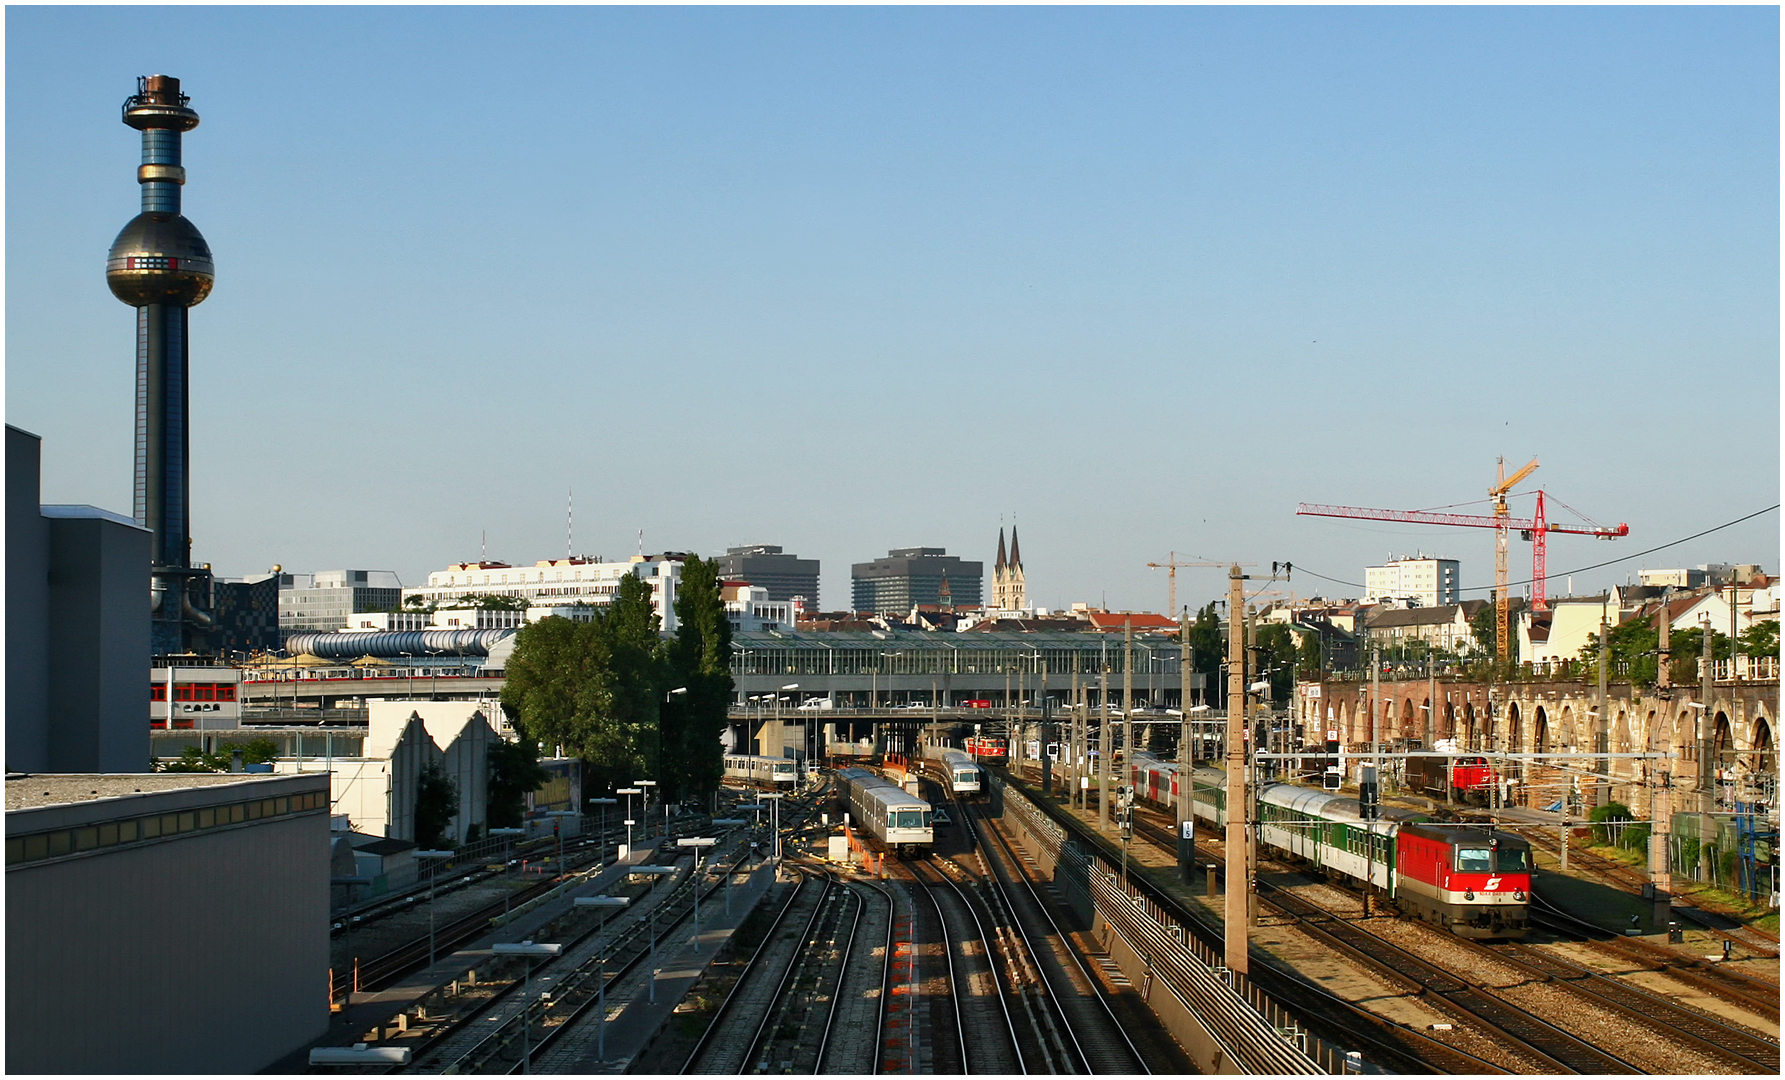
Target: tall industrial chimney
161,266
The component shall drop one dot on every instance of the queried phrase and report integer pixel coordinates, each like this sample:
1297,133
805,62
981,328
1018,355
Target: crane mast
1536,528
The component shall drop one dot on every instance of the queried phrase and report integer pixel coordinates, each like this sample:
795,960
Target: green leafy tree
1761,639
1276,654
436,802
1308,657
700,660
1485,629
594,688
1209,646
515,773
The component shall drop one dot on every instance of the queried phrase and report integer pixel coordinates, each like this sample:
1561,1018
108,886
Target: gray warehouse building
911,576
165,922
767,566
77,629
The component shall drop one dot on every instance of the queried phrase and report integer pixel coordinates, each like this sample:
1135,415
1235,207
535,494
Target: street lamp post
558,827
645,809
774,798
426,854
700,844
729,823
629,792
532,952
604,902
656,872
507,858
604,804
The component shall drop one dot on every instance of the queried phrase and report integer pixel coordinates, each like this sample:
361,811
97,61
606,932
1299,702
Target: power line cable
1578,570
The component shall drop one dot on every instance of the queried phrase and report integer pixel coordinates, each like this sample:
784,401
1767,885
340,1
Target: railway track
1094,1040
857,1024
1757,995
1553,1047
733,1043
975,1032
1744,1050
1632,880
549,1035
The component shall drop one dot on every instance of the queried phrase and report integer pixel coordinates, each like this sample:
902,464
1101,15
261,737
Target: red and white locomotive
1471,881
987,750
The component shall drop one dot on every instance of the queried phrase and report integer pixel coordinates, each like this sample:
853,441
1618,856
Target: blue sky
850,279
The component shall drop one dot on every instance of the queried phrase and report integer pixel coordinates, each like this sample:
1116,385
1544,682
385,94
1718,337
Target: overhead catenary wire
1577,570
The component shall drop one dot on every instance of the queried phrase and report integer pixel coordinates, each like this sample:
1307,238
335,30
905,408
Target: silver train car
901,821
756,769
962,776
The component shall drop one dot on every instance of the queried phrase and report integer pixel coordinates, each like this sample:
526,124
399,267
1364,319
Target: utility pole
1661,775
1707,759
1368,784
1184,665
1602,723
1127,698
1239,870
1046,736
1431,700
1103,752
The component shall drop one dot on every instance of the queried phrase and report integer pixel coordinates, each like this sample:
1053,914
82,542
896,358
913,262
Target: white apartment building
557,583
1423,579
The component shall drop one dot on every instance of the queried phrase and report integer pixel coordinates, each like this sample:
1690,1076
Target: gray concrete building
77,621
911,576
165,922
323,601
766,565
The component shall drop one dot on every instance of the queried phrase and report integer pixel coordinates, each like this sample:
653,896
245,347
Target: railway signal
1331,778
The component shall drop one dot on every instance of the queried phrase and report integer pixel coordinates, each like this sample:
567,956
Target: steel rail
1001,843
1336,1020
830,1019
1000,987
1743,990
1533,1035
589,966
1705,1033
734,995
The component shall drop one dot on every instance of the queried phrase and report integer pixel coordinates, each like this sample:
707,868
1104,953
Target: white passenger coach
770,771
899,820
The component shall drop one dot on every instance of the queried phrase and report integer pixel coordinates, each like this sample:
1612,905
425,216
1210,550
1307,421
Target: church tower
1009,592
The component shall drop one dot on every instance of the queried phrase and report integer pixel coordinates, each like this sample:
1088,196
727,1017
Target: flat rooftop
58,789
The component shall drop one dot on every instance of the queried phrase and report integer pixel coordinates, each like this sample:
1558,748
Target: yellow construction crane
1170,566
1502,521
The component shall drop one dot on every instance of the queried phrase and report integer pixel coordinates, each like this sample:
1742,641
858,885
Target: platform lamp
700,844
347,925
728,823
774,798
507,857
604,804
654,872
782,749
645,808
559,829
607,903
532,952
629,792
427,854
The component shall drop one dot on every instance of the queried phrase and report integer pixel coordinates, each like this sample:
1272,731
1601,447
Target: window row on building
136,830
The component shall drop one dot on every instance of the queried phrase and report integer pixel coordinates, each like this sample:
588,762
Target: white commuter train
962,776
754,768
899,820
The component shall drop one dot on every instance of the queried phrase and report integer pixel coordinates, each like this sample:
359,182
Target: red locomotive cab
1471,774
1470,881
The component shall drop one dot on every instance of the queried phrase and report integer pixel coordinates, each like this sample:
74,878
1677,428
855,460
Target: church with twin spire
1009,593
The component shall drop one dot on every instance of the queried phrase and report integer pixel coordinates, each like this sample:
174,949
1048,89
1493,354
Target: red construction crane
1535,529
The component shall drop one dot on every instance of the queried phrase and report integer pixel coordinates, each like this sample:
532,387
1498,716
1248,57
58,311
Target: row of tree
614,692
